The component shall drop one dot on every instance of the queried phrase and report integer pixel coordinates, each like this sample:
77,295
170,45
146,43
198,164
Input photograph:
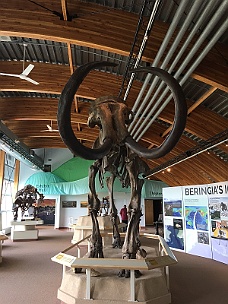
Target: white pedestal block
25,230
83,228
3,237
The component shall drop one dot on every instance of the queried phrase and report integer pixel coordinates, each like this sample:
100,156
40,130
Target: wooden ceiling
109,30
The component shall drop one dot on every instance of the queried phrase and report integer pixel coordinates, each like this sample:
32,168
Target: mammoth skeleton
117,152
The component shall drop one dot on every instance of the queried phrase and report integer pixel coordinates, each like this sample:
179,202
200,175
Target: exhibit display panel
196,219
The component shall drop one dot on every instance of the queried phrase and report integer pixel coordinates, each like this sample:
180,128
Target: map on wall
174,236
196,217
196,222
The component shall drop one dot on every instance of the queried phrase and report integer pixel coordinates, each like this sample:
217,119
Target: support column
16,177
2,165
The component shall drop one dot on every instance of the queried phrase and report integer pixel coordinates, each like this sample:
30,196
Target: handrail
76,244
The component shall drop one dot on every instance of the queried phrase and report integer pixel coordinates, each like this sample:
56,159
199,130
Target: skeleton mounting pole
134,60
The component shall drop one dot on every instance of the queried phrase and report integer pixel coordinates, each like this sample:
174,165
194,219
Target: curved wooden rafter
109,30
94,28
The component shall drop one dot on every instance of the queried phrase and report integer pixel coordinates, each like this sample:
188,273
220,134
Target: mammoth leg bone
94,207
131,246
113,214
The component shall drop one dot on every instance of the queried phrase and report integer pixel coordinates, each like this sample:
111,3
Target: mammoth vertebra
116,151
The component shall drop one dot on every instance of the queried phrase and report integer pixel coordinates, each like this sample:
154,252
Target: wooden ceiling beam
194,106
53,77
111,31
64,9
46,109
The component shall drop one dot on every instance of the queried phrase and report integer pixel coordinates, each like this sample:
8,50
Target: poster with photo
218,208
219,229
173,208
172,202
173,217
218,213
196,213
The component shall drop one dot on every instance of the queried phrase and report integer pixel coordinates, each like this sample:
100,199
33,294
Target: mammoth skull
112,117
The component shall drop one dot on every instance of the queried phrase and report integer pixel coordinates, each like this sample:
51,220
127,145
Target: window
7,191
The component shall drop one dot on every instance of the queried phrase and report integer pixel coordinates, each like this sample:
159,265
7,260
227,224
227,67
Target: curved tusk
64,114
179,118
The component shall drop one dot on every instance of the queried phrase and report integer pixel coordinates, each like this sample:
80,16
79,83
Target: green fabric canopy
49,183
74,169
43,181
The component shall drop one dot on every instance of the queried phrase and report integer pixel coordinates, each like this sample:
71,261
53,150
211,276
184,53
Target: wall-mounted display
83,204
46,211
173,218
196,219
69,204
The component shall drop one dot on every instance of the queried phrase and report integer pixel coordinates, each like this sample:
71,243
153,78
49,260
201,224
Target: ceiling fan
25,72
50,128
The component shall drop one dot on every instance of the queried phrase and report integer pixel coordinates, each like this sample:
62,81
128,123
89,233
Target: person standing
124,217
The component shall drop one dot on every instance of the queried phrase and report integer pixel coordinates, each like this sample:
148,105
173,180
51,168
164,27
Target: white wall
75,213
24,174
121,199
54,157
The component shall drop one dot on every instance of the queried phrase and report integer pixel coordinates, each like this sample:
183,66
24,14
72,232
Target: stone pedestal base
83,228
150,288
24,235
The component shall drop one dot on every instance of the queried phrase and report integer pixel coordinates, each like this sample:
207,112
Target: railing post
79,251
64,270
88,245
132,285
167,277
88,283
